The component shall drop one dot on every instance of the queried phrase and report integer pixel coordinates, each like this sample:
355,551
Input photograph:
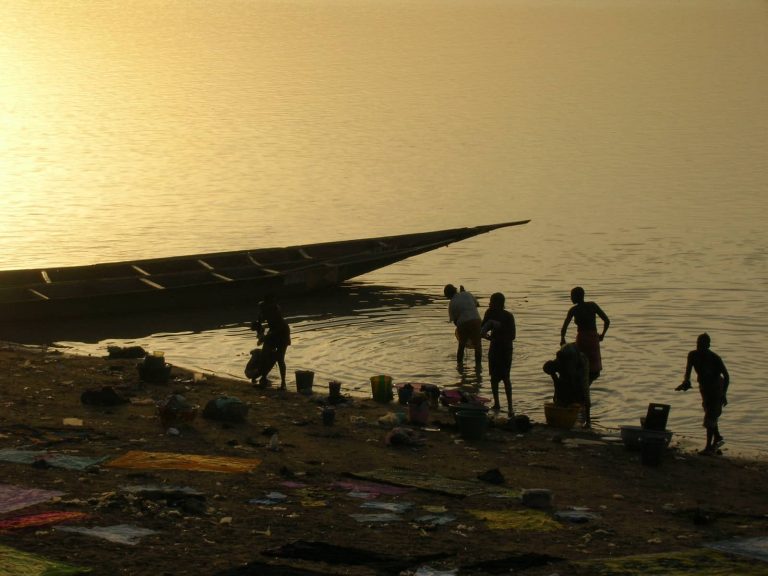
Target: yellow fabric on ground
16,563
172,461
522,520
699,562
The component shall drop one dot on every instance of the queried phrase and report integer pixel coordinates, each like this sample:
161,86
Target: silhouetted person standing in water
462,311
276,340
587,338
713,384
499,327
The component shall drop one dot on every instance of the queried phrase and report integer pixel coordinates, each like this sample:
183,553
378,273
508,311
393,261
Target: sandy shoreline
295,509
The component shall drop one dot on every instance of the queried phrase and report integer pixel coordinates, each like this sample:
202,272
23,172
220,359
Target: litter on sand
16,563
17,497
520,520
157,491
429,571
270,499
171,461
576,516
119,533
362,495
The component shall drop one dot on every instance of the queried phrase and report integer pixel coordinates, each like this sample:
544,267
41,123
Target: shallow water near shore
633,134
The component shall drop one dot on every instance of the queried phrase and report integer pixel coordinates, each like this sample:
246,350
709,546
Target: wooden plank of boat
209,279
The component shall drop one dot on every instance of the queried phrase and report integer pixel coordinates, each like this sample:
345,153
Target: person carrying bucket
462,311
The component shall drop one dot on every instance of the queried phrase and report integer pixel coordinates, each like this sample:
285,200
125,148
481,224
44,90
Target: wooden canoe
208,280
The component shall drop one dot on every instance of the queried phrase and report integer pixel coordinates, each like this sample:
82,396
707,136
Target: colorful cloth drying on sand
698,562
432,483
756,548
520,520
43,519
119,533
52,459
16,497
171,461
16,563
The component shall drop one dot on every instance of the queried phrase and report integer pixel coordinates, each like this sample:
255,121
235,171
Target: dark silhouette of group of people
576,364
497,326
575,367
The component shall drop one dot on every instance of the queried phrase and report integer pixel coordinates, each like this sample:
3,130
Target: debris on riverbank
112,488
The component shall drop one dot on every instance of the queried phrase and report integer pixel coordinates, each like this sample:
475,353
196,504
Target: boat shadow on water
348,299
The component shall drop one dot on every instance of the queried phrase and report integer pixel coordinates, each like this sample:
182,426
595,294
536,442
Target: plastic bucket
418,413
454,409
561,416
304,379
381,388
472,424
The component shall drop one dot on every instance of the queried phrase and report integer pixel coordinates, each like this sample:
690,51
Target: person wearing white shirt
462,311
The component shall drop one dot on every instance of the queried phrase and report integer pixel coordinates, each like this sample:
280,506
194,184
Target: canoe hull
208,280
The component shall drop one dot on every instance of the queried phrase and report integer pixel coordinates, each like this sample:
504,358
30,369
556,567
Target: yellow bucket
561,416
381,388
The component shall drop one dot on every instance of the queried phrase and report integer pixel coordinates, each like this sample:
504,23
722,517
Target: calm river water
632,132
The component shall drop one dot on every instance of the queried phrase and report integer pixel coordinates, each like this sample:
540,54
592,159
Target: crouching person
570,375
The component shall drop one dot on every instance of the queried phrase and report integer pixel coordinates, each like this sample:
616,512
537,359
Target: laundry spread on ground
434,519
42,519
380,518
372,488
698,562
119,533
16,563
433,483
52,459
156,491
172,461
394,507
17,497
520,520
